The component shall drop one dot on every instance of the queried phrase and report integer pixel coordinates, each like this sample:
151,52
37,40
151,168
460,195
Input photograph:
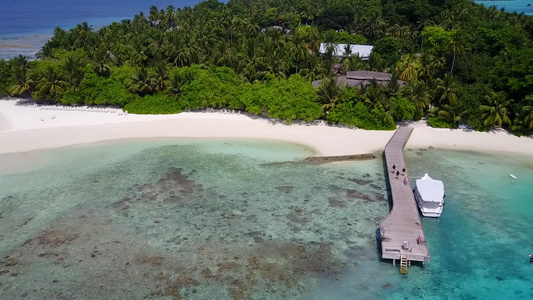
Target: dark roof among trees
358,78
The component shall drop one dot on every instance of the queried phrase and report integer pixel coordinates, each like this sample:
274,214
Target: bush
435,122
217,87
359,115
343,37
286,99
390,49
402,108
96,90
291,99
157,104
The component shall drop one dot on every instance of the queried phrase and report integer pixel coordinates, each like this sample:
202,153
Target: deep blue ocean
30,23
25,17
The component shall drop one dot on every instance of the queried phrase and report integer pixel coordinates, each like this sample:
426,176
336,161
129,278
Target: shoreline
25,128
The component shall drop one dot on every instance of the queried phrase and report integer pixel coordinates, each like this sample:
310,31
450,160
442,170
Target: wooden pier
402,236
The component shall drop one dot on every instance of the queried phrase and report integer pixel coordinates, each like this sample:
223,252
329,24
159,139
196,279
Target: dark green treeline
464,63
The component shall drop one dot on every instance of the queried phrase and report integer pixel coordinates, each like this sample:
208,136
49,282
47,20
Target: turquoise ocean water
249,220
511,6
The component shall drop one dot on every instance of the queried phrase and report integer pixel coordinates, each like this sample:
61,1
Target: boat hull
430,214
427,212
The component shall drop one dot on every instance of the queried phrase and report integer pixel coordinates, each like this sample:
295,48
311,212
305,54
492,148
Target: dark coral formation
361,181
285,189
173,187
173,183
375,186
215,244
52,239
335,202
278,263
353,194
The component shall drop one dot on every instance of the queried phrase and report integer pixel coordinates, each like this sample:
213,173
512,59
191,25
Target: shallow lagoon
248,220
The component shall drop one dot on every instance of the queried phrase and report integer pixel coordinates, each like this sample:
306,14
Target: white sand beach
31,127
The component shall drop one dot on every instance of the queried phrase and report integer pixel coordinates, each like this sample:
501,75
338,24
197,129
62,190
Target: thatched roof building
358,78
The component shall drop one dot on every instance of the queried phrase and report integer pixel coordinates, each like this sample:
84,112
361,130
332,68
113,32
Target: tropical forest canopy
463,63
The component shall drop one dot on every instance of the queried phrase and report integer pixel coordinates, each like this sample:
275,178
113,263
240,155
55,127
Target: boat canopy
430,190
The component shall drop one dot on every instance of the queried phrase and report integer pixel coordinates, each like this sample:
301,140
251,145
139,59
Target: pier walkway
402,236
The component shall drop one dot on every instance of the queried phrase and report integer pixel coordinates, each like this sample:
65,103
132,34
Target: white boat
429,195
512,176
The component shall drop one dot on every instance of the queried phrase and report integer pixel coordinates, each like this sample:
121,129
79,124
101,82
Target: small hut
359,78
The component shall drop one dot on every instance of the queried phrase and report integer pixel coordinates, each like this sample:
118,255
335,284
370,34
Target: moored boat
429,195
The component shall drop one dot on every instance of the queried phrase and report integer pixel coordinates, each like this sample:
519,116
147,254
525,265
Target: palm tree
251,28
463,15
316,69
313,40
142,83
528,118
496,112
375,29
102,57
330,51
418,92
393,86
373,94
157,42
493,13
452,113
298,49
175,84
408,67
347,51
421,25
234,27
50,85
250,73
46,51
83,36
430,66
329,93
139,53
447,89
154,15
73,71
403,32
376,63
456,47
168,17
447,19
354,63
20,73
160,68
183,57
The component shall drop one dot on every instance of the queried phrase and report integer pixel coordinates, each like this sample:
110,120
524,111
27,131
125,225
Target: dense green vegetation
464,63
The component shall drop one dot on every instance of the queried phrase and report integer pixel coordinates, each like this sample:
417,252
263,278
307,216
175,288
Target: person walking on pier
393,168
